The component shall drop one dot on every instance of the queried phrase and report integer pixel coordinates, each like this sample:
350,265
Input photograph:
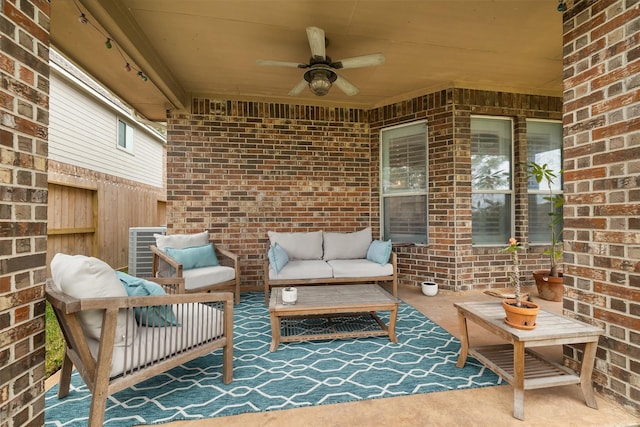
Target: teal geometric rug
296,375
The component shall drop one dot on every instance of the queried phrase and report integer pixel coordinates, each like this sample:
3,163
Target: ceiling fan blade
317,43
281,63
360,61
298,88
345,86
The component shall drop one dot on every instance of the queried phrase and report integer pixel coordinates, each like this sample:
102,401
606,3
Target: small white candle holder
289,295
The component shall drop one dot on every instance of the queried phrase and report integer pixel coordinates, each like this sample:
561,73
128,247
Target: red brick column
24,104
602,186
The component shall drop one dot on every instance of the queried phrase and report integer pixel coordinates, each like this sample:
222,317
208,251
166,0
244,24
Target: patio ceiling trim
118,23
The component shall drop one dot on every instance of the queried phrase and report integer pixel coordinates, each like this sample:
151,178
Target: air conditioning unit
140,258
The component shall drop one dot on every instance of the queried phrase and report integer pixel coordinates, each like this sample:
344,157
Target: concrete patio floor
491,406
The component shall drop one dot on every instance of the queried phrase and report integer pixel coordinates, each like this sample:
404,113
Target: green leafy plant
542,172
54,342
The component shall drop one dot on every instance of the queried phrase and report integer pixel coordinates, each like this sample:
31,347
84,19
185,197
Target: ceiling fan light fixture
320,72
320,80
320,84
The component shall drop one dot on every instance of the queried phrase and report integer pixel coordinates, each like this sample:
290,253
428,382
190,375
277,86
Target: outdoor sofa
320,257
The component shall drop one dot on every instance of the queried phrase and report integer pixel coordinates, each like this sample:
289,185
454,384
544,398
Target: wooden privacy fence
92,216
72,221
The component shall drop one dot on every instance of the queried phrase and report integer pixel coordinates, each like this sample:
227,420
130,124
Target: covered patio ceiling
209,47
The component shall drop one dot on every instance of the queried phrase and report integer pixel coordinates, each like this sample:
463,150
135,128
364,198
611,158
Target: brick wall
24,87
240,169
449,258
602,180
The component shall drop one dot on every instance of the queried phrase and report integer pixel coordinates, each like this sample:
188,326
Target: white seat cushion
359,268
197,324
307,269
206,276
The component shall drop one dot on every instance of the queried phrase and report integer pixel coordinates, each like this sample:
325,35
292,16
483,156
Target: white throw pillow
347,245
299,245
81,277
181,241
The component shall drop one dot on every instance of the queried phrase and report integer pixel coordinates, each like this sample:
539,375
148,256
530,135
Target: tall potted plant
550,283
520,314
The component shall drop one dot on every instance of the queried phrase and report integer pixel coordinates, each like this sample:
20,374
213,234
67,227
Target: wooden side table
520,366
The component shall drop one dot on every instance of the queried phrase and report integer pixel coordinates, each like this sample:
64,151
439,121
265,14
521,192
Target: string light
110,43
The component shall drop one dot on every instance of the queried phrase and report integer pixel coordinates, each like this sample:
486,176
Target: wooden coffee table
520,366
333,301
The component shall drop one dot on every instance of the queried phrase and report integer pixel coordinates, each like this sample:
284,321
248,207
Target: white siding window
491,180
125,135
544,146
404,183
83,131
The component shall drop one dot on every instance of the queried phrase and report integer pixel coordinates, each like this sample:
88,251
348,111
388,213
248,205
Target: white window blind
404,183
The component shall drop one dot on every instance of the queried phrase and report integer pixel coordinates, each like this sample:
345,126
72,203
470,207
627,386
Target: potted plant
520,313
550,283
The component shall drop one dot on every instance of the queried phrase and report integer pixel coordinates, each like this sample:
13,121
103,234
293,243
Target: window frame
422,192
129,135
511,192
544,191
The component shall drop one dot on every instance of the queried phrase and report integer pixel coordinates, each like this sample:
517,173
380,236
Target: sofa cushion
299,245
179,241
379,251
206,276
359,268
278,257
80,276
298,269
346,245
157,315
194,256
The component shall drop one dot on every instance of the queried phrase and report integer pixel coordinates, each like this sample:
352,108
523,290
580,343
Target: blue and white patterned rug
296,375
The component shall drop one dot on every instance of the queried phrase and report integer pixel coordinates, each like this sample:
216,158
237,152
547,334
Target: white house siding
83,132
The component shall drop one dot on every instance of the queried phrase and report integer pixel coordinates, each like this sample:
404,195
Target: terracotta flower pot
549,288
523,317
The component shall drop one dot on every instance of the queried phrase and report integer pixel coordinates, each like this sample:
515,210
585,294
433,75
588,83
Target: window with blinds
491,180
404,183
544,146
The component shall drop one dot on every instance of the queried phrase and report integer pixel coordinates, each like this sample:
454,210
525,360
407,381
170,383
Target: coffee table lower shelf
332,312
331,326
538,372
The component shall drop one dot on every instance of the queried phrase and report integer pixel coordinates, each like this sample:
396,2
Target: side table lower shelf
520,366
538,372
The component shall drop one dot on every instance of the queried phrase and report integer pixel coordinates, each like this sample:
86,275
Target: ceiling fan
321,74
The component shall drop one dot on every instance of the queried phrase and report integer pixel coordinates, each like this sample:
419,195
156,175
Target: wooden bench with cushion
318,257
116,340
